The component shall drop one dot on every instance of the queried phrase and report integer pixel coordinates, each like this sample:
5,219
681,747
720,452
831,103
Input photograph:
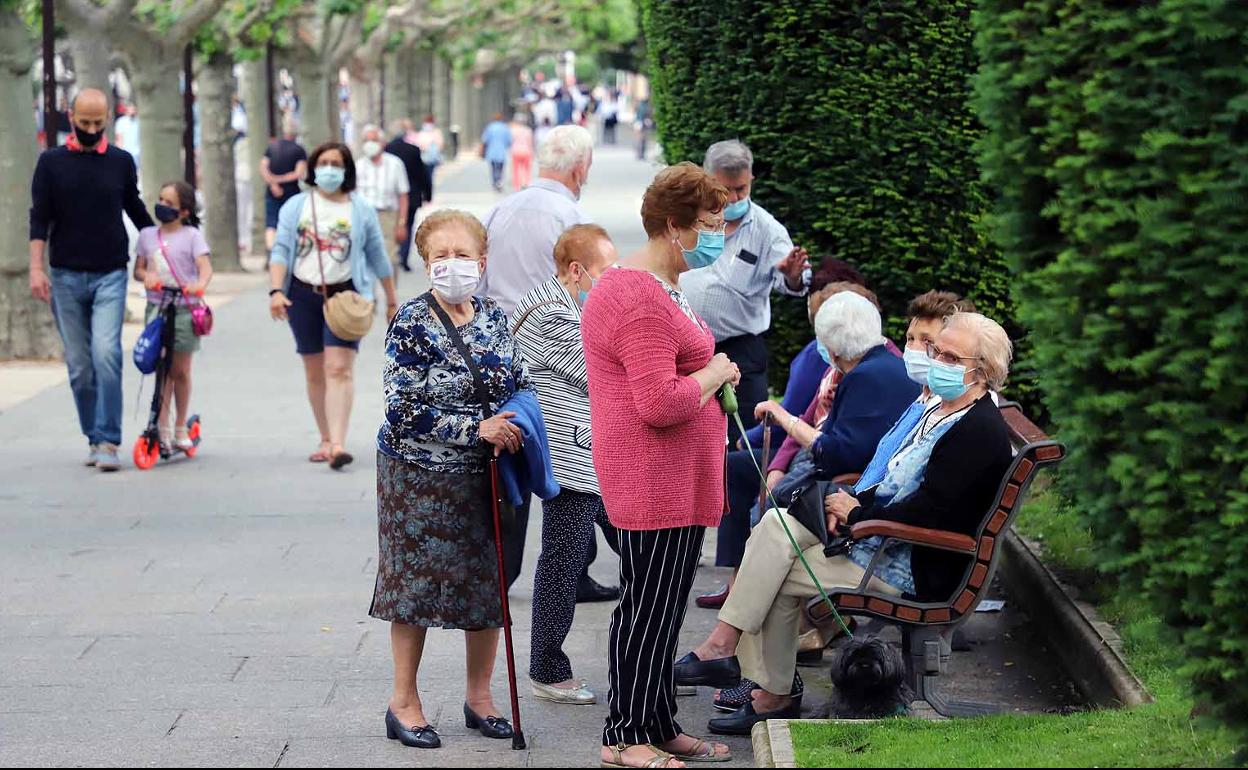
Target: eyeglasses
714,226
948,356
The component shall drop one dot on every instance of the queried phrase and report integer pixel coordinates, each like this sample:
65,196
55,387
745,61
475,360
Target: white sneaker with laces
106,458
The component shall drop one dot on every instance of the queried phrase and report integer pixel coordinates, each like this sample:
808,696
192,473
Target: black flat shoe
490,727
341,460
424,737
721,672
590,590
735,697
743,719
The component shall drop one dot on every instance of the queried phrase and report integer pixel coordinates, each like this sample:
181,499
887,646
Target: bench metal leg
927,657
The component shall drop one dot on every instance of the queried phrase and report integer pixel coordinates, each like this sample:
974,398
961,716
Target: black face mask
165,213
88,138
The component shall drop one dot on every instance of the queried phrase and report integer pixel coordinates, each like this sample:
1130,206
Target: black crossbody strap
483,393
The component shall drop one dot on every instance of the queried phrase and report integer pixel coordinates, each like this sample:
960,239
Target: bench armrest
934,538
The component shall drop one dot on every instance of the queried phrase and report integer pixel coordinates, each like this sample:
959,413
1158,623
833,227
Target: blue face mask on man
947,380
710,247
734,211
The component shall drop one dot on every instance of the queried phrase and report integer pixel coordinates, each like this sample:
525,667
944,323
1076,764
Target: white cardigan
546,326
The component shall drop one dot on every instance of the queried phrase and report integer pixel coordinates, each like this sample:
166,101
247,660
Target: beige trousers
770,589
388,220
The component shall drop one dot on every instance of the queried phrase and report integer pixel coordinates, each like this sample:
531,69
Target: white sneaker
106,458
91,455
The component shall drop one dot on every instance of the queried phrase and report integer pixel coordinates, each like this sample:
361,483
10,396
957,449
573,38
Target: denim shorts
307,318
271,208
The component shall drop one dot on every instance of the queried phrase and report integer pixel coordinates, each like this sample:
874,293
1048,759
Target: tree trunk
420,85
92,61
400,67
161,121
441,90
314,104
26,326
216,86
362,102
255,99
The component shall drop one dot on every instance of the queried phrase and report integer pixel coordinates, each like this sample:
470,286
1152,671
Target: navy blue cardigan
868,402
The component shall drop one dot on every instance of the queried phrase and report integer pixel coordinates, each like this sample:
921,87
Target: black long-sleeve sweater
962,477
77,199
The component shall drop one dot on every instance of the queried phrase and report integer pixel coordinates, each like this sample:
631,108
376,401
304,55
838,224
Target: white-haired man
381,179
523,229
733,295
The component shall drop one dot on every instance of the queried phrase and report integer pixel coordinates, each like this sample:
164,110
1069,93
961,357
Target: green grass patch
1161,734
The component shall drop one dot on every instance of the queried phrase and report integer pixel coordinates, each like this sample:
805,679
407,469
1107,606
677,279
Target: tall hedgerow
1118,135
860,118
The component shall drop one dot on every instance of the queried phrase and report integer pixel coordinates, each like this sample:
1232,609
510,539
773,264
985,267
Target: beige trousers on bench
767,598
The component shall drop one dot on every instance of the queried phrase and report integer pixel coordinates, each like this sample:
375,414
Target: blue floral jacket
432,410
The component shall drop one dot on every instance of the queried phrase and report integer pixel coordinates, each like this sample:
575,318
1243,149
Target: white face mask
455,279
372,149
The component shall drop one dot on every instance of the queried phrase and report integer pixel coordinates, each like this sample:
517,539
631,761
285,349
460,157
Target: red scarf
75,146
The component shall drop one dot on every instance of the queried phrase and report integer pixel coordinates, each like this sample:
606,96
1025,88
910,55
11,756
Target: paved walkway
214,611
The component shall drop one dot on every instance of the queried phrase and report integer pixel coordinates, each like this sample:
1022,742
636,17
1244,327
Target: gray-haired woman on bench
943,477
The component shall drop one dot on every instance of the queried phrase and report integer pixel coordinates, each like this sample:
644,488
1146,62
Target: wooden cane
762,490
517,734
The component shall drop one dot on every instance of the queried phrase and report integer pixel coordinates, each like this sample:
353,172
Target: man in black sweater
78,194
417,179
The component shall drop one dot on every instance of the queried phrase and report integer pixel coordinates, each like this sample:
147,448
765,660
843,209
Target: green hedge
1119,138
859,116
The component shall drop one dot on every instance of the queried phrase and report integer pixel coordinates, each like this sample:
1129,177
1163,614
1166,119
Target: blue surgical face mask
917,365
583,294
824,353
710,246
947,380
329,178
734,211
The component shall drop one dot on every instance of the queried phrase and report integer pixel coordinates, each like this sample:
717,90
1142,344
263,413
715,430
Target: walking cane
517,735
762,491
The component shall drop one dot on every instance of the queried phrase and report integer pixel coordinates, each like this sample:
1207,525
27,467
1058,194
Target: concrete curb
773,745
1091,648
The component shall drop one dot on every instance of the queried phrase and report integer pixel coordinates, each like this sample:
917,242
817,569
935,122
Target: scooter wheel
192,428
146,452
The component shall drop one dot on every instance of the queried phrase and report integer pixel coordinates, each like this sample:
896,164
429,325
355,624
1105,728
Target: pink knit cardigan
658,452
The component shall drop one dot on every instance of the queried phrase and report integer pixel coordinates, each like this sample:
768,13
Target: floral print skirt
437,564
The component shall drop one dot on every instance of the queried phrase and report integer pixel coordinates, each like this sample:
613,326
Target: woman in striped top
547,328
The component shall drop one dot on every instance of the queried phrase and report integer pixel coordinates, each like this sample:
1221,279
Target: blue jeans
89,310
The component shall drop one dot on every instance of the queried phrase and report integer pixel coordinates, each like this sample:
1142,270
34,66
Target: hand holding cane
517,734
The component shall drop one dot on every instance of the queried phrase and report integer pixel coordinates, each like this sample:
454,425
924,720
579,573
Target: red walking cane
517,734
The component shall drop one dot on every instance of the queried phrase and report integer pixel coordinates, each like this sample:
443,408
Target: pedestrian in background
429,140
126,131
175,255
521,152
328,241
734,294
285,162
495,142
417,177
381,180
78,193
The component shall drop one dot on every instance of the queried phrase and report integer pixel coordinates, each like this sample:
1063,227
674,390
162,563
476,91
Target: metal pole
268,88
49,74
188,117
381,100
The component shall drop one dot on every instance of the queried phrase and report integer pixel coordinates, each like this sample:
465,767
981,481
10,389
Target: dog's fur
869,677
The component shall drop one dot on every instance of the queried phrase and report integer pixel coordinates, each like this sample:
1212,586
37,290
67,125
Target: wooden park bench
927,626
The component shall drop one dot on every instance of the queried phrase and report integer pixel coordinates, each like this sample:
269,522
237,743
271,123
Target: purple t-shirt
182,247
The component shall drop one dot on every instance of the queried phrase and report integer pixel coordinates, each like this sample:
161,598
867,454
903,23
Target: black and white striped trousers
656,574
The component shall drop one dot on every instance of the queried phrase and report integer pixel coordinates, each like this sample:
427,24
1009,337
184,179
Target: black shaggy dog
869,676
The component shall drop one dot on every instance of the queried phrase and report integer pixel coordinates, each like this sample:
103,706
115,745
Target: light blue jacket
369,261
497,141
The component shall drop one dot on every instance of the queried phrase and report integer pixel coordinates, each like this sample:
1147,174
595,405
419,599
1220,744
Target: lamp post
188,117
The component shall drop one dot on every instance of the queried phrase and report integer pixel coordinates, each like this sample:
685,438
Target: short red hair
679,193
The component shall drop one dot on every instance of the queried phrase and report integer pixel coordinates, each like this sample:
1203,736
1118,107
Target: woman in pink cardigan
659,441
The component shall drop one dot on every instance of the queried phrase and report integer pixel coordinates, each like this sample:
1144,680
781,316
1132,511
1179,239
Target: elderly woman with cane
437,564
659,441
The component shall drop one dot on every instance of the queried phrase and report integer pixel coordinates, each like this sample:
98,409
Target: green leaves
1116,141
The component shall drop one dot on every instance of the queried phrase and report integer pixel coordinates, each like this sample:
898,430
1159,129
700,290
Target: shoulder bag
201,314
